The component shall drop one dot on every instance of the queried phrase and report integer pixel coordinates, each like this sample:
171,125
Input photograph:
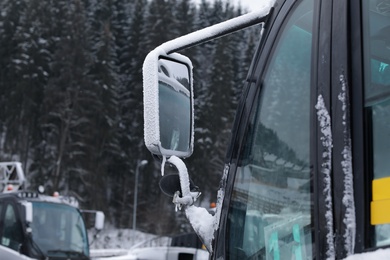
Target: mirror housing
99,220
28,215
168,104
29,211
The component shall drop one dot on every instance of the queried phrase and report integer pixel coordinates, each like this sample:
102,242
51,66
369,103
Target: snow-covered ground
112,238
127,244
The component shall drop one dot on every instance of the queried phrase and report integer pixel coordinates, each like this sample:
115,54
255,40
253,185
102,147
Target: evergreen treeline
71,98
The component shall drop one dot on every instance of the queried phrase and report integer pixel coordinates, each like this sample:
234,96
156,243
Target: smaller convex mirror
174,110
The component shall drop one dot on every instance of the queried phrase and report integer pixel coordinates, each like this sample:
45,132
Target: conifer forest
72,100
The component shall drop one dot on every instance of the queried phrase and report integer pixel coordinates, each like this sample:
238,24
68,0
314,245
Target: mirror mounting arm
205,228
186,198
218,30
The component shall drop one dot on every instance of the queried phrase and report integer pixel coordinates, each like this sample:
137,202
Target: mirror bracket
186,197
205,228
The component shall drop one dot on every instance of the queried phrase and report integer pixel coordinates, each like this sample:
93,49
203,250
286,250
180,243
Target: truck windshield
270,209
59,231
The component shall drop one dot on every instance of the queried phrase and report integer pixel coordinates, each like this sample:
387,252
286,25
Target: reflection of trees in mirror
184,81
175,70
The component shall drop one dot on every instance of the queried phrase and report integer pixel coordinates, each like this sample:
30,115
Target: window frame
359,151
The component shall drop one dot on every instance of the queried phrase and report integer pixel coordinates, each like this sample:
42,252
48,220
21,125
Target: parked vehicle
307,172
33,225
180,247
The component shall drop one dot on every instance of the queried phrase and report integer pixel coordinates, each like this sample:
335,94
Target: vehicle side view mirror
99,220
28,209
168,104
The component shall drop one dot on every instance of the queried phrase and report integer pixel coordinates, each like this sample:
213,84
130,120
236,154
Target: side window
12,235
270,209
376,33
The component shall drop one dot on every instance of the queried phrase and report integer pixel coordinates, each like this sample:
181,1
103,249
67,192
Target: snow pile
378,254
111,238
202,222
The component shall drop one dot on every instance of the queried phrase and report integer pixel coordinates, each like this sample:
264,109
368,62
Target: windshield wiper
69,253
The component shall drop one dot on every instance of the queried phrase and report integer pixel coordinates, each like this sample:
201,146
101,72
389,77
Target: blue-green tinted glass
376,33
58,230
270,210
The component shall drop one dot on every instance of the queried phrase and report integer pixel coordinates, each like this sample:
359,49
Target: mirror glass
174,106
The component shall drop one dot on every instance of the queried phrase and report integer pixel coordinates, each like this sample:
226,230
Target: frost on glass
327,143
346,163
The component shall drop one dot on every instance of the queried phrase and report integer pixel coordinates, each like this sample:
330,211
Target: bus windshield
58,230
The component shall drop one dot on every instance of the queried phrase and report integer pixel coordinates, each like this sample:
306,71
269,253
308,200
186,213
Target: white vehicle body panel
9,254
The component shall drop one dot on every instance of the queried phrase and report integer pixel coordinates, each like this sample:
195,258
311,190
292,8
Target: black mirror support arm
216,31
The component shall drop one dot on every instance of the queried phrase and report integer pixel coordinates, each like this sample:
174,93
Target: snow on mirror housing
168,104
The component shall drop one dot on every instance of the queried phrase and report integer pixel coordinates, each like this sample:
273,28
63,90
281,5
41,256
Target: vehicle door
11,235
270,190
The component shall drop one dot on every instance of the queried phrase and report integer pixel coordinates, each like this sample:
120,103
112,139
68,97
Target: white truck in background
185,246
37,226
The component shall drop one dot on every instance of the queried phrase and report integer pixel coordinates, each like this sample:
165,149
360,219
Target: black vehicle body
307,167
